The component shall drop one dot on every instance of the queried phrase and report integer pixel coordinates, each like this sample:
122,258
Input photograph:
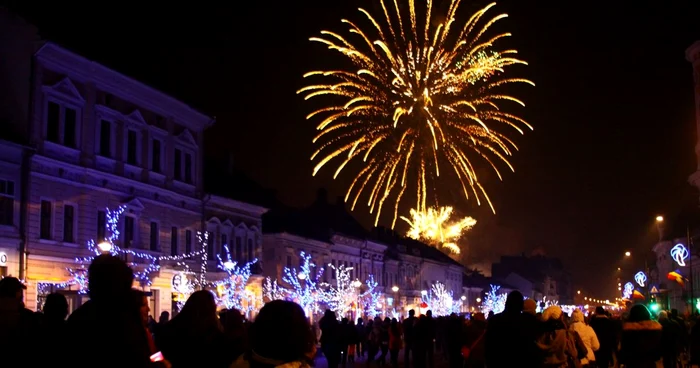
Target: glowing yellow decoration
434,227
421,94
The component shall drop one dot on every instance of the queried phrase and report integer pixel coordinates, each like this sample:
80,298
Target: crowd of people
114,329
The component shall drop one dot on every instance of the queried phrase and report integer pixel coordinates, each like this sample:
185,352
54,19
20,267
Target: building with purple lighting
80,138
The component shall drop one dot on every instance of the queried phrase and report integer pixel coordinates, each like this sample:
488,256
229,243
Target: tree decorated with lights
494,301
340,297
304,285
147,262
183,285
439,300
232,288
369,299
272,291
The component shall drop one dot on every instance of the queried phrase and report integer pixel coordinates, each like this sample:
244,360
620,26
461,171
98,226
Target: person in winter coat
606,330
587,335
556,343
640,343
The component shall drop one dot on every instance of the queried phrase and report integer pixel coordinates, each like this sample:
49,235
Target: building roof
318,221
222,179
401,244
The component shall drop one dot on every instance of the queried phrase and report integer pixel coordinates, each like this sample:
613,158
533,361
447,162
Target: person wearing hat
17,323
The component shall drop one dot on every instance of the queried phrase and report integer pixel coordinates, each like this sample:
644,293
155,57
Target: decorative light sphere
464,297
395,289
478,300
229,265
302,276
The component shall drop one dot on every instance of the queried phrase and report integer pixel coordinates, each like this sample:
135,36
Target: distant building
331,235
538,275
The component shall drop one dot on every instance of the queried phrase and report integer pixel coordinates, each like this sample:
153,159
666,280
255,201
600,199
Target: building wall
11,157
92,162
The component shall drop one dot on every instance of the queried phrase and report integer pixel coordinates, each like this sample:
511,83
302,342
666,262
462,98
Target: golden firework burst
419,96
434,227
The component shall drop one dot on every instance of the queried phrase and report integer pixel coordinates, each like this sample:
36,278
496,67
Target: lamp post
357,284
104,247
395,289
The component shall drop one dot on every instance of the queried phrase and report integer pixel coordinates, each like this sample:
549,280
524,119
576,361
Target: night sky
613,109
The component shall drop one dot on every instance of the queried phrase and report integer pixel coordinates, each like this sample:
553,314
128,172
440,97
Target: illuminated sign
629,289
641,278
680,253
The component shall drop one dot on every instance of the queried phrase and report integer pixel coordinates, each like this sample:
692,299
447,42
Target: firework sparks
420,96
434,227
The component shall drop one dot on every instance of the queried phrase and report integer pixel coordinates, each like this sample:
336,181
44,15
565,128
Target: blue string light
232,287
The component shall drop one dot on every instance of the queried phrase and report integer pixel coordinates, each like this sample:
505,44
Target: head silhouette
514,302
109,278
266,340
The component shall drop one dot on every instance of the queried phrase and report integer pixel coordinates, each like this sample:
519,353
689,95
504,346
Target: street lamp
578,292
478,300
627,254
302,276
104,247
659,219
395,289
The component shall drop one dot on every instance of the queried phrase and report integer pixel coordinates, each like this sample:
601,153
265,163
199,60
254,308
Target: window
224,243
131,147
177,170
105,138
53,116
155,238
188,241
155,156
68,223
69,127
129,229
7,202
188,168
251,254
289,261
101,225
173,241
45,220
62,124
211,245
239,249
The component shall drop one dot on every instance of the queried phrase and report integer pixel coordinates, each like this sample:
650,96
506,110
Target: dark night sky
612,110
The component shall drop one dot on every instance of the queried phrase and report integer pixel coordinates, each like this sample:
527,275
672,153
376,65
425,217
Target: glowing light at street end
435,228
422,101
680,253
628,291
641,278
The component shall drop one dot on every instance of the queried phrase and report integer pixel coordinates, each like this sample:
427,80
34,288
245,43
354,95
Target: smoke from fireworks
435,228
419,99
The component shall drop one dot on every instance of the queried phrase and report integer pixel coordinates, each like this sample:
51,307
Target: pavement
360,362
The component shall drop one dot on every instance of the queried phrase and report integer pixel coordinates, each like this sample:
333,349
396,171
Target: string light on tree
494,301
439,299
341,296
272,291
148,262
304,283
232,289
370,297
